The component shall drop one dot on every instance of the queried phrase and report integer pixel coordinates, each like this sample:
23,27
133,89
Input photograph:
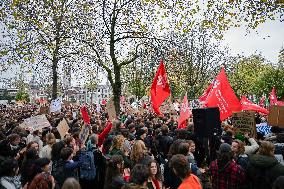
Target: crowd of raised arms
135,151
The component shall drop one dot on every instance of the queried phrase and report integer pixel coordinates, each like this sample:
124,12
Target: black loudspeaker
206,122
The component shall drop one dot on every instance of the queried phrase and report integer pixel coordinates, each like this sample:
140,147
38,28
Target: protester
170,178
66,167
155,179
239,155
253,145
46,150
181,168
114,173
225,172
139,175
126,150
164,141
263,167
42,181
29,167
9,148
71,183
9,178
139,153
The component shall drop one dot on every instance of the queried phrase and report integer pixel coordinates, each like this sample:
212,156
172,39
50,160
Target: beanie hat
224,148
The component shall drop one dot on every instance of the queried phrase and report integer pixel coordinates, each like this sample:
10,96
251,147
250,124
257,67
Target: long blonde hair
117,142
138,151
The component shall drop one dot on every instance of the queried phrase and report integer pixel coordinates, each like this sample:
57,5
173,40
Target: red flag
261,101
279,103
223,96
160,89
206,92
273,97
184,113
248,105
85,115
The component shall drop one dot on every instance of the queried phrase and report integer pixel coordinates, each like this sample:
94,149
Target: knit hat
240,137
224,148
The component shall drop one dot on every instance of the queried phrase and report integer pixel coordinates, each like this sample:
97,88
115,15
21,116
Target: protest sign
36,122
111,109
63,128
55,105
276,116
244,122
84,133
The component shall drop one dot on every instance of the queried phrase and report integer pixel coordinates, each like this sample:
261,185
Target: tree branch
135,56
104,18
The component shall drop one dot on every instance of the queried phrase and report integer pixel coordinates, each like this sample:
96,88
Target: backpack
88,168
59,171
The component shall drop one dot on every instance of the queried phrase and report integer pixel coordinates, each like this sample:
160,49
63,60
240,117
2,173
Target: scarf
156,182
13,180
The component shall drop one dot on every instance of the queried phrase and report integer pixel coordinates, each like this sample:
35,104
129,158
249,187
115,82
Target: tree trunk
54,69
117,90
54,78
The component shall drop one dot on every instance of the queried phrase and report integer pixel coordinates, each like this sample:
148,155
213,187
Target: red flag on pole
248,105
261,101
206,92
184,113
223,96
85,115
273,98
160,89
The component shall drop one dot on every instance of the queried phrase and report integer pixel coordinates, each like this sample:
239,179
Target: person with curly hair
238,149
155,179
139,153
117,148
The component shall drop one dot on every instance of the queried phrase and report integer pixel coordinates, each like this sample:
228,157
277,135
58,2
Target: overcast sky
267,39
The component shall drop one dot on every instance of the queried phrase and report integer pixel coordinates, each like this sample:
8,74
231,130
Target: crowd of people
135,151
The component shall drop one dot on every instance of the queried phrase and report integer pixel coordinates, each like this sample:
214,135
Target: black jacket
6,151
163,143
263,171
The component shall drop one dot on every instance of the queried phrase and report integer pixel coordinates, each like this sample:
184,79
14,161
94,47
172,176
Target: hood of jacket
262,161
